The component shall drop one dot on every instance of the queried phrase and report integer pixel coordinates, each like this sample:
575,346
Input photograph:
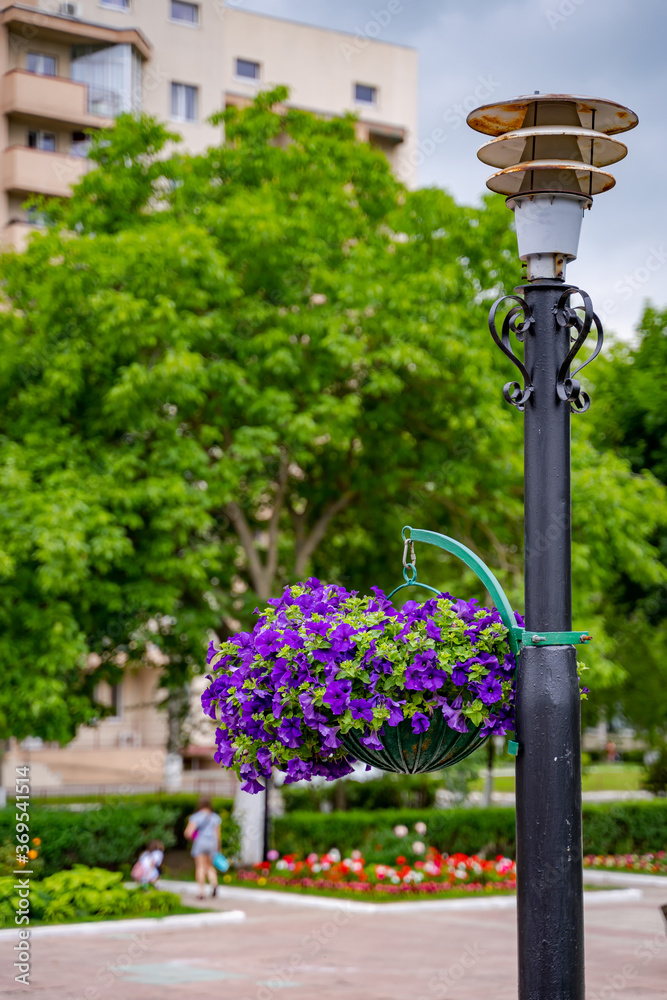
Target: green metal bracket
512,748
517,636
473,561
554,638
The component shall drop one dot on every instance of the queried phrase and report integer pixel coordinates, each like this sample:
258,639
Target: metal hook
409,568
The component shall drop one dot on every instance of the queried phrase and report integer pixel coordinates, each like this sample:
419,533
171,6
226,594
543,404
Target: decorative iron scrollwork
567,317
518,321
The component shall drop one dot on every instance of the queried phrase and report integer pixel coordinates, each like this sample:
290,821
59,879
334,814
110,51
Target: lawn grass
599,778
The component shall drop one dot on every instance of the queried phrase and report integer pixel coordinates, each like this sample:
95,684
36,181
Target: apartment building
68,66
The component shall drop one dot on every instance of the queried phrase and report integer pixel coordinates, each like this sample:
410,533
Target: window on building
42,140
183,102
182,11
118,4
365,94
248,69
41,64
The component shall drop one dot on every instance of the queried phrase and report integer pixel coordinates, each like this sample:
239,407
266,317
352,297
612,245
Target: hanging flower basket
326,678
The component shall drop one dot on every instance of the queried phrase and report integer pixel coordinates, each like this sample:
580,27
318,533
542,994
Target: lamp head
551,149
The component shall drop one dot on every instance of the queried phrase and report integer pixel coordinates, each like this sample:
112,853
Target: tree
223,372
633,422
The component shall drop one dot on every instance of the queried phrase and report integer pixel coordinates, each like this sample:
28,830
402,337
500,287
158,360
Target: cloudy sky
602,48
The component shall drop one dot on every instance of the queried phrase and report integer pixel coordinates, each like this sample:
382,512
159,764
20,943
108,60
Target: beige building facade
67,66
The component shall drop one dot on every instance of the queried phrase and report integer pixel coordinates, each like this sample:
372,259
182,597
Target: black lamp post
550,149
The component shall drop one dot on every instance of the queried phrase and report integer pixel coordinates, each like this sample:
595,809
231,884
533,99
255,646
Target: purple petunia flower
453,714
297,770
337,695
490,690
433,632
289,733
420,722
292,639
267,642
461,671
361,709
341,638
372,740
330,735
395,713
249,775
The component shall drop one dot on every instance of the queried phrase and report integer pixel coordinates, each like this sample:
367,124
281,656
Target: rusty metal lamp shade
439,746
551,149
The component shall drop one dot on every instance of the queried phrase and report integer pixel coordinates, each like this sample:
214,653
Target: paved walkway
294,953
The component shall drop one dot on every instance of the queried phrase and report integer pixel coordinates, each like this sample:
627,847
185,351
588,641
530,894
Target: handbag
220,862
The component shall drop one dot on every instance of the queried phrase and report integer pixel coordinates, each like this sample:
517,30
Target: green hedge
184,802
111,836
391,791
620,827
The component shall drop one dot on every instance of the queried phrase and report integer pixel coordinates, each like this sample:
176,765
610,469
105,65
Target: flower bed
642,864
330,874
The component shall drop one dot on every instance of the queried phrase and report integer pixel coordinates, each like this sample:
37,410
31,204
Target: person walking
203,830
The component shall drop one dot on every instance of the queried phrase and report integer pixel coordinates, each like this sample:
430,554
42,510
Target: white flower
334,855
418,847
420,828
401,831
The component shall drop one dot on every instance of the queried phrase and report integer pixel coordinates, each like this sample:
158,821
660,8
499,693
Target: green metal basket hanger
517,636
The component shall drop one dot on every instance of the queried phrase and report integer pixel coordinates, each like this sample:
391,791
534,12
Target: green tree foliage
223,372
632,421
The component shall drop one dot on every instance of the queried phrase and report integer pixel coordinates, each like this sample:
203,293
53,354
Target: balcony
31,23
48,99
34,171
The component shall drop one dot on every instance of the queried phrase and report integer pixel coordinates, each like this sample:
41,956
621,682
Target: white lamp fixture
550,149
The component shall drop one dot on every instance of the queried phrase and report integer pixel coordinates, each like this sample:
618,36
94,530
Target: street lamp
550,150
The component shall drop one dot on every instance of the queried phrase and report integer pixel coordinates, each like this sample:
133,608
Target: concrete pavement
295,953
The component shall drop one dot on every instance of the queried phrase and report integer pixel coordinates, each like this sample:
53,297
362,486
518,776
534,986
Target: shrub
80,894
655,777
449,830
112,835
615,828
391,791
